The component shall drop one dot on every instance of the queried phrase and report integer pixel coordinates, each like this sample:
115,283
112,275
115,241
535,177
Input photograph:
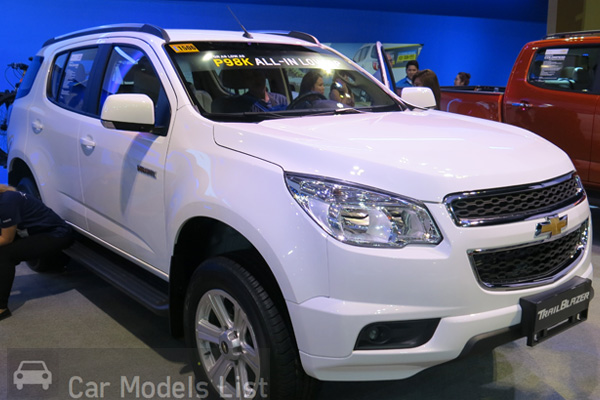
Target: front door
122,171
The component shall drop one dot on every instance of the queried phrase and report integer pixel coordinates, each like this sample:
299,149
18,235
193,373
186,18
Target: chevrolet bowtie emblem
552,226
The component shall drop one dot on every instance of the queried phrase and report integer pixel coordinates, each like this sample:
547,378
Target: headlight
361,216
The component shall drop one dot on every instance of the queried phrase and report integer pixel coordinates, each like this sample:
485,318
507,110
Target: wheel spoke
251,358
208,332
216,302
219,371
242,383
240,322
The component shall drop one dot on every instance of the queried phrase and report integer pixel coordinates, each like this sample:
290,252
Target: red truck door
553,91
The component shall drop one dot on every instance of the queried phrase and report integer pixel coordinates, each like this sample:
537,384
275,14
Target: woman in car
312,82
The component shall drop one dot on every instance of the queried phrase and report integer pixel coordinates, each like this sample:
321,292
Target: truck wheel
242,347
54,262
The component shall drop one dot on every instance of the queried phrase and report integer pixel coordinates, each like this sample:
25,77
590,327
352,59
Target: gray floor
88,333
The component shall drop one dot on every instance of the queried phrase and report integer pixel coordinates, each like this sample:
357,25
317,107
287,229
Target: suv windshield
258,80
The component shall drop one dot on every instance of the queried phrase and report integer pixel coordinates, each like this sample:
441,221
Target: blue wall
486,48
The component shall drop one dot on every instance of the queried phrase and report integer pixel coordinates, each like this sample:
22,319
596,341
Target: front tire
242,347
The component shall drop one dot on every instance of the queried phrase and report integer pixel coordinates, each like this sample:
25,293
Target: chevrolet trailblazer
309,241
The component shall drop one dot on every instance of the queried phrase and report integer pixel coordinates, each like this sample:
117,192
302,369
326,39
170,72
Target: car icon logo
32,373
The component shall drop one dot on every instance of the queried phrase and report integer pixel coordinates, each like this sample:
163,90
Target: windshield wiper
252,116
347,110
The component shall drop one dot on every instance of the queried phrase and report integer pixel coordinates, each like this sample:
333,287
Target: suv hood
420,154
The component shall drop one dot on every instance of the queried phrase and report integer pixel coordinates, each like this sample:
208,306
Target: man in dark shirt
29,230
264,101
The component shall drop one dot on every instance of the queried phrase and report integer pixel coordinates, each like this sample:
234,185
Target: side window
374,52
362,54
569,69
129,70
70,82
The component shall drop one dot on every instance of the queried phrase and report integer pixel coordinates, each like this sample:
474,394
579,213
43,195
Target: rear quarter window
30,76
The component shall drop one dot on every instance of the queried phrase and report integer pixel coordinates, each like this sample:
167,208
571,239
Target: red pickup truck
554,91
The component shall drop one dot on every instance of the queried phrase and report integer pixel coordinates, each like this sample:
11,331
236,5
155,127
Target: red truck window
570,69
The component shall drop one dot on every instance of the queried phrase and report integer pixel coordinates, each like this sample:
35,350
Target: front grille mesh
515,203
530,264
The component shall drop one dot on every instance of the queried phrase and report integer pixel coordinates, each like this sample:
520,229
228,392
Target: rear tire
242,347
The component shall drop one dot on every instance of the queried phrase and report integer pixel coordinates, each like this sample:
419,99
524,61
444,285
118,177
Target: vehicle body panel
412,161
481,103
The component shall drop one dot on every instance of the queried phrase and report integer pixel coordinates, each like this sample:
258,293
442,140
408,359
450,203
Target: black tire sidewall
225,274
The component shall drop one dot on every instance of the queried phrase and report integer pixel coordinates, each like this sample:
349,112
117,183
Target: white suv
298,238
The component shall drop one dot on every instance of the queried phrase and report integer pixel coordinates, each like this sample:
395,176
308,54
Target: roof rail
560,35
147,28
293,34
303,36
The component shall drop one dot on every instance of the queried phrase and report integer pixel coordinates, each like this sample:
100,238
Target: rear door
55,124
557,97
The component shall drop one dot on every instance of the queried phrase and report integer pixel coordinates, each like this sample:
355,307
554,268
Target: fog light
396,334
379,333
373,333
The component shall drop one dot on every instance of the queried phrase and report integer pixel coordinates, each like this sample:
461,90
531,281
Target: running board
115,270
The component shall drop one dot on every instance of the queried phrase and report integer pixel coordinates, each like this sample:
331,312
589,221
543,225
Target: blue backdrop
484,47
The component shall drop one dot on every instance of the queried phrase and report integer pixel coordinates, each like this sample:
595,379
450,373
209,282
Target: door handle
523,105
87,142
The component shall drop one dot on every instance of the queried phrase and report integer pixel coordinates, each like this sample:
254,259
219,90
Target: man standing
412,67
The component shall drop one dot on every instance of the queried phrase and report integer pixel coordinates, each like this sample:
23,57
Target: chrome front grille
530,264
516,203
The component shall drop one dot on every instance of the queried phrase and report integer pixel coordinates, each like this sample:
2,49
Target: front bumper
418,282
332,321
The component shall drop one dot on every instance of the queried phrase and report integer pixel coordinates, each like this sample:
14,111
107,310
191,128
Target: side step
122,274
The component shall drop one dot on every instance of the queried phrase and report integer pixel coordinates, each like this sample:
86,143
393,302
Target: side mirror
419,96
128,112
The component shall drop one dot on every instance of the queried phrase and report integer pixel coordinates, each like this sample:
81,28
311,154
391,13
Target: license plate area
550,313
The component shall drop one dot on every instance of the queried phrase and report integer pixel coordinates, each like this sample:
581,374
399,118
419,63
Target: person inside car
264,101
340,91
312,82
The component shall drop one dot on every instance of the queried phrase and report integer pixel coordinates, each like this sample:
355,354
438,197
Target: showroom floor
100,344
